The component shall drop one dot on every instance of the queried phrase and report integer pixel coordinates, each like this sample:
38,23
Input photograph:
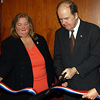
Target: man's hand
70,72
92,94
1,79
64,84
53,84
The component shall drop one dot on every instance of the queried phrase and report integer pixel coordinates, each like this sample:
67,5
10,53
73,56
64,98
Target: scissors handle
61,80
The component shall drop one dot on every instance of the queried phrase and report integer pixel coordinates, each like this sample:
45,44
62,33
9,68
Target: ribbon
72,91
28,89
31,90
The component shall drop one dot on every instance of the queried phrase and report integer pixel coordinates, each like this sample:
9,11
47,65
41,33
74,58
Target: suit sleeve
98,89
89,64
57,57
43,47
50,65
6,63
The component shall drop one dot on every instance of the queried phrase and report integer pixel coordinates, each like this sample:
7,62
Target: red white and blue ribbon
28,89
72,91
31,90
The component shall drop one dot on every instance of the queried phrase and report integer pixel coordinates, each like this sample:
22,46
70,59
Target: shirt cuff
76,71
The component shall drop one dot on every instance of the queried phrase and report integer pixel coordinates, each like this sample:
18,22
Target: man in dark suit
81,63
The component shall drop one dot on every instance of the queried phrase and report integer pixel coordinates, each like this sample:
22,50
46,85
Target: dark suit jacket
16,68
86,55
98,89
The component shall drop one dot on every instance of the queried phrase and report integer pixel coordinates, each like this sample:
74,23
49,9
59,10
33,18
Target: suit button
22,67
21,75
21,83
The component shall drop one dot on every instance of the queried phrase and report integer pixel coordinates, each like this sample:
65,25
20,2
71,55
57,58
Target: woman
25,60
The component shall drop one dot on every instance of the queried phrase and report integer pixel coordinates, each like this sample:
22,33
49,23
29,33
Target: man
81,63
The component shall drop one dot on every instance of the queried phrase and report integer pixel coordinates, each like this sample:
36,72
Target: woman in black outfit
16,67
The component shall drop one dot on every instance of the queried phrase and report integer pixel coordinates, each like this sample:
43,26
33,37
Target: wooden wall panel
0,22
89,10
43,14
0,18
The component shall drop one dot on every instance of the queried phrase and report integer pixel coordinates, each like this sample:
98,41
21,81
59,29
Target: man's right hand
63,84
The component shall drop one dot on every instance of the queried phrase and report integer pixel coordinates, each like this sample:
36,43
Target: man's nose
63,21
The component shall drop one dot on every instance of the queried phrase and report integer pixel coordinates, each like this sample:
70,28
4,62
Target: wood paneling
0,19
43,14
0,23
89,10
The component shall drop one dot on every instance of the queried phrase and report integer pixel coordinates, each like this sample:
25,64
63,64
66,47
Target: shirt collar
75,29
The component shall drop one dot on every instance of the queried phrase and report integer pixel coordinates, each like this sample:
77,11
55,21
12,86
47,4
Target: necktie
72,42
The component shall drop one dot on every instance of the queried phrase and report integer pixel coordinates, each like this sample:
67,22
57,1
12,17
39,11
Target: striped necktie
72,42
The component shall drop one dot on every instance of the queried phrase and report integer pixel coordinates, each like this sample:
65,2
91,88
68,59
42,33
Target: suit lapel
66,42
80,37
24,52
